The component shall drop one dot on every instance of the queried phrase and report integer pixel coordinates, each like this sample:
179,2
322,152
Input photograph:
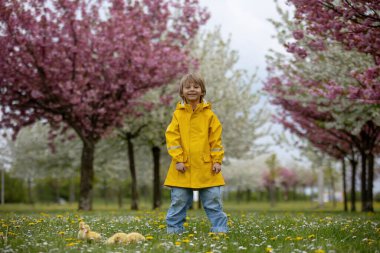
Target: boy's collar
183,104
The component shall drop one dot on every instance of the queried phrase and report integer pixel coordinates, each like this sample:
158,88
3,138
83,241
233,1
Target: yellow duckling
125,238
85,233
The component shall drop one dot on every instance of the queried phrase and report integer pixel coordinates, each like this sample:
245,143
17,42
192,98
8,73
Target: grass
294,227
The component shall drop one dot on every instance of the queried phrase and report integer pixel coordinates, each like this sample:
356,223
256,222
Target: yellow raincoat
194,138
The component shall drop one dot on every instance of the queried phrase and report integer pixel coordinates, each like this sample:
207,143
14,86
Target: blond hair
192,78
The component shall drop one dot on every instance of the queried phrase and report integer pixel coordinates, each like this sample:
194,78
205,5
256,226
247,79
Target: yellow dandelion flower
311,236
31,223
161,226
211,233
177,243
71,244
149,237
288,238
59,216
209,252
45,214
274,238
319,251
186,224
186,240
269,249
61,233
298,238
187,218
191,235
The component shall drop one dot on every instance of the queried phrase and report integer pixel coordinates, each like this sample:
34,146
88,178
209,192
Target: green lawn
292,227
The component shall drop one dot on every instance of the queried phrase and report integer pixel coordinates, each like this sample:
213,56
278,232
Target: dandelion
298,238
191,235
71,244
211,233
177,243
186,240
61,233
149,237
288,238
319,251
269,249
186,224
161,226
31,223
311,236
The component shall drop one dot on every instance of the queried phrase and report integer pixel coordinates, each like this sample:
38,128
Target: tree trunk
86,175
344,185
132,168
369,203
363,180
353,185
156,152
321,188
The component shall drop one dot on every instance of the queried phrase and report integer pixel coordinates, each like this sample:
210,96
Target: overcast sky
246,22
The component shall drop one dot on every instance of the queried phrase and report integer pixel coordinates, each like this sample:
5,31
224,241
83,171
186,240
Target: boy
194,140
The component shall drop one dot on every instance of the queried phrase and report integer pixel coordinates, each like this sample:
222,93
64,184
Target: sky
246,22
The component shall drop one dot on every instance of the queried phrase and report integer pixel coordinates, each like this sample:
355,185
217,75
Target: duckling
125,238
85,233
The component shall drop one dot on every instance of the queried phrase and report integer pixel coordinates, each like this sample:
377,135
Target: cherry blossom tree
355,24
303,87
83,63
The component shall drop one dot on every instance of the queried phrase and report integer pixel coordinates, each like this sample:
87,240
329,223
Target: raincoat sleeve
215,139
173,141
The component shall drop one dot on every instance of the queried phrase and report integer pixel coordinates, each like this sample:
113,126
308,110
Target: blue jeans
181,200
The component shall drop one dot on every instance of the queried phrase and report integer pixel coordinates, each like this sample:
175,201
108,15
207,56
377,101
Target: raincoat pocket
206,158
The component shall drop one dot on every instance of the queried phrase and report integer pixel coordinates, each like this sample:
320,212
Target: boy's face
192,92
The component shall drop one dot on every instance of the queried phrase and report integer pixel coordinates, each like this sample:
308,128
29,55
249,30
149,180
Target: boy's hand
180,167
216,167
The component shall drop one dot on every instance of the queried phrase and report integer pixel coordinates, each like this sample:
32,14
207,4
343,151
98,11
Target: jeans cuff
174,230
219,229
